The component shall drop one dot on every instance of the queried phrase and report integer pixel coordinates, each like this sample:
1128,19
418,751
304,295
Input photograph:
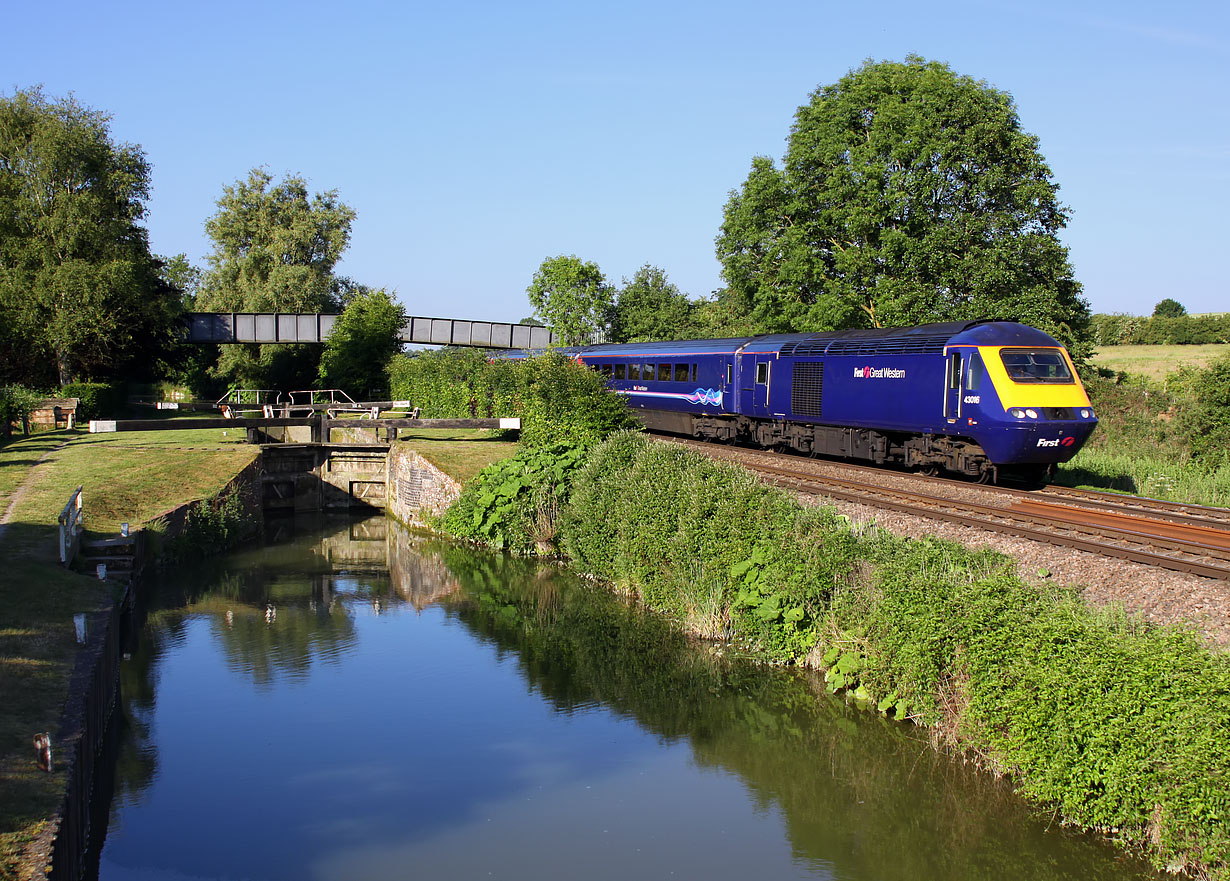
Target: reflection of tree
854,788
297,580
286,642
136,762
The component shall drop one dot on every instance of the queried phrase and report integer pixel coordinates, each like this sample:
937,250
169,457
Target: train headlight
1032,414
1085,414
1017,412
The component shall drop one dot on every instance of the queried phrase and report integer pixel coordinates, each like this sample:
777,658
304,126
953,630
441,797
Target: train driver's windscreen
1036,365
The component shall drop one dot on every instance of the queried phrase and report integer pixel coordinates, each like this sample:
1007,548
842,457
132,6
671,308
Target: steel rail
1177,512
978,517
1160,508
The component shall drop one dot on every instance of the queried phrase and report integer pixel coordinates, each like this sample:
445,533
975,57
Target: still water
354,702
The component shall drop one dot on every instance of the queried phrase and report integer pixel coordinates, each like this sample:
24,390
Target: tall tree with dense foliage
275,249
80,294
650,307
1169,308
908,194
363,340
573,298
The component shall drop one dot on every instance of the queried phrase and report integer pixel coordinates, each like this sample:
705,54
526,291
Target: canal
351,701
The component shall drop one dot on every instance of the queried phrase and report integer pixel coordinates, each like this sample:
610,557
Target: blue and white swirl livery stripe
703,396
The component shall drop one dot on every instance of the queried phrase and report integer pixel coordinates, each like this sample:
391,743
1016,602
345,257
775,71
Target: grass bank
1114,725
1166,439
127,478
459,453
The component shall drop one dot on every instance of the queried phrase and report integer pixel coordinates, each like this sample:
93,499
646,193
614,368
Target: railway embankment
1112,577
1116,724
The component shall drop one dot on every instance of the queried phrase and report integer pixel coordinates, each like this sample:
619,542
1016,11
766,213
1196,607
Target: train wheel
929,469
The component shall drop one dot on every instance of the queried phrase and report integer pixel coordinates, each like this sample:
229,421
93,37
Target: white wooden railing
70,527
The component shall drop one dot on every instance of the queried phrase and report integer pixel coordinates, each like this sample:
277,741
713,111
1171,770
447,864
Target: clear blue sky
475,139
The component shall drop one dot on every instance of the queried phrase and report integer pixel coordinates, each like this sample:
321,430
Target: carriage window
693,373
1036,365
973,375
621,371
681,373
954,370
762,373
606,370
634,371
647,371
664,373
730,373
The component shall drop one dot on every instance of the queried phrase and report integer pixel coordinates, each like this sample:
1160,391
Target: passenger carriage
986,399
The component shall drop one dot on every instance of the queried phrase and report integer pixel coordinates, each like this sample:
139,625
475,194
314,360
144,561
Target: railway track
1184,538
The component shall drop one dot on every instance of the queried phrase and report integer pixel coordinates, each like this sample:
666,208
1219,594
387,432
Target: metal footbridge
289,327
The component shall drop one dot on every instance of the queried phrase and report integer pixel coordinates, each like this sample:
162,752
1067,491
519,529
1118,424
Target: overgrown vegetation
1167,440
515,503
211,526
16,402
1165,329
559,401
99,400
1118,726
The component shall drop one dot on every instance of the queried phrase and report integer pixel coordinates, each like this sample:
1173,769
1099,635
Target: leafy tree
649,307
179,273
79,291
573,298
16,403
275,248
363,340
908,194
1169,308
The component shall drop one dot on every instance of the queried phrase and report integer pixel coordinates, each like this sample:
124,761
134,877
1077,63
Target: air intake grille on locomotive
808,382
825,344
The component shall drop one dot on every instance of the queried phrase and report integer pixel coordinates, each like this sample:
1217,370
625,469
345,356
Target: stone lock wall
416,487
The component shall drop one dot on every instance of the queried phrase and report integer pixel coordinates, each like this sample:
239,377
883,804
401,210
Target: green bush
1162,441
558,400
1204,418
99,400
514,504
213,526
16,402
1121,726
456,384
1159,330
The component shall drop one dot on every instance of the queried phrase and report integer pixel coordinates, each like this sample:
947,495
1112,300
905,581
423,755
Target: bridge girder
288,327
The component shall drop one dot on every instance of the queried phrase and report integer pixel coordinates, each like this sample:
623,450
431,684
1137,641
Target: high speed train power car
985,399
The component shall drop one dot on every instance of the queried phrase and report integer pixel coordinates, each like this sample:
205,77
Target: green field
1155,362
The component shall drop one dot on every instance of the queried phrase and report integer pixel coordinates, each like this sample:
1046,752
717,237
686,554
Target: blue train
984,399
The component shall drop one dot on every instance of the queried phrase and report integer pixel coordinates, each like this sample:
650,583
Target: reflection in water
854,788
449,713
